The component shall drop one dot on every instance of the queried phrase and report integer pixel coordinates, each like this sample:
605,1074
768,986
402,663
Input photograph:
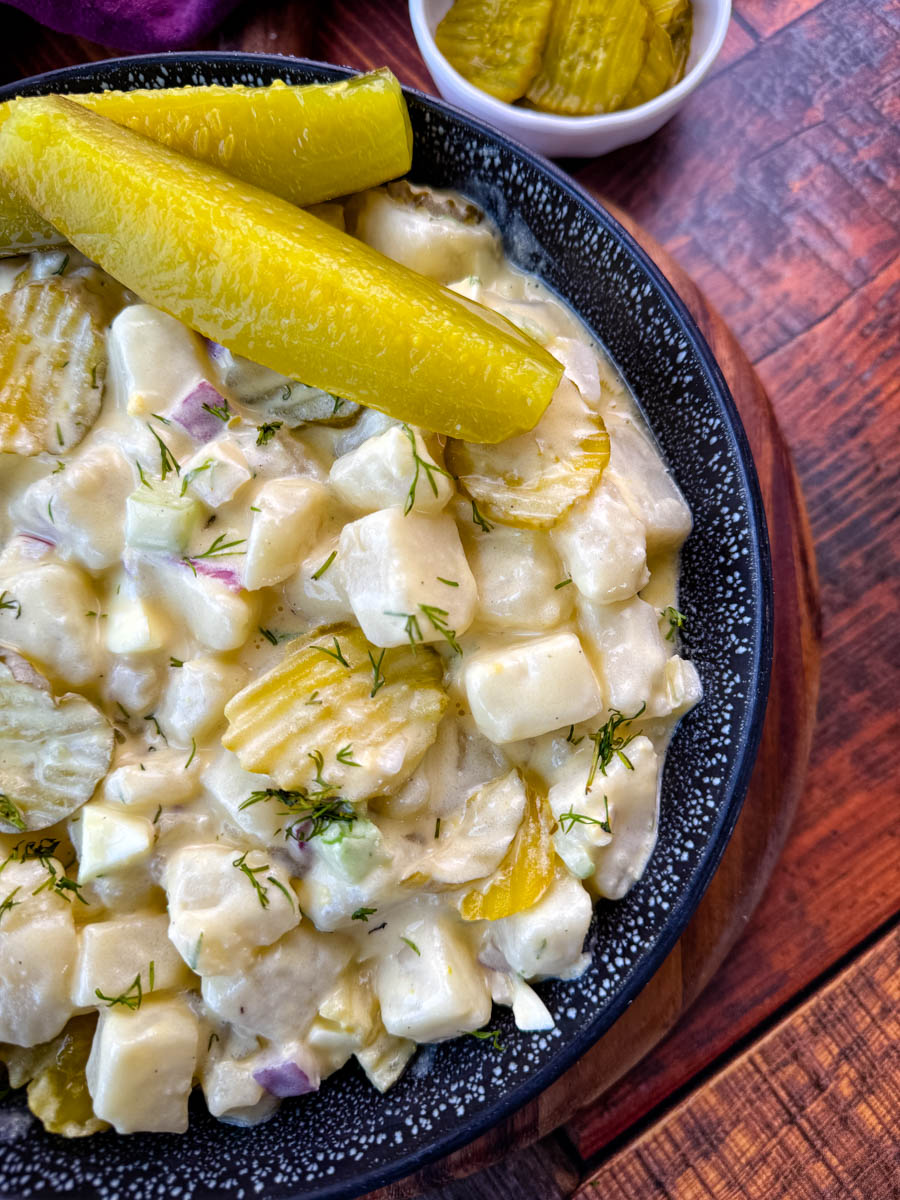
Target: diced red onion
285,1079
216,351
40,547
191,415
227,575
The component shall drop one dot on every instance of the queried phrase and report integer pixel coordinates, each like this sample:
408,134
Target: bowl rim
761,575
536,121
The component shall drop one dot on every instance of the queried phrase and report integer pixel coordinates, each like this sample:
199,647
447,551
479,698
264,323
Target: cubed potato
135,683
383,472
427,980
528,688
216,472
546,940
141,1067
109,839
628,653
194,697
37,955
230,786
134,624
212,605
518,575
284,529
159,779
318,590
216,917
111,953
384,1060
393,566
153,360
232,1094
633,797
640,475
603,546
278,992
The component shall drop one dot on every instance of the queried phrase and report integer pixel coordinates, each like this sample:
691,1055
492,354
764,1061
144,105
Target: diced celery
157,520
353,850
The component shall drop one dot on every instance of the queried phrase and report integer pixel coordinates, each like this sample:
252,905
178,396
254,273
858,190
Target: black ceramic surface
348,1139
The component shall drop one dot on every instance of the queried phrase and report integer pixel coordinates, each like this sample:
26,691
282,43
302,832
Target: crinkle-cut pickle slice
58,1092
594,52
306,144
53,753
525,873
496,44
271,282
52,365
313,722
531,480
658,71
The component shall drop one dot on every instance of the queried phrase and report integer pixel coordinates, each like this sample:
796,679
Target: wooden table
776,189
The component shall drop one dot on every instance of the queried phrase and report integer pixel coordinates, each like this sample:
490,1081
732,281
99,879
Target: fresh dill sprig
10,813
265,433
411,626
438,618
610,744
153,721
576,818
421,464
319,810
11,603
675,618
176,662
277,884
345,756
570,736
9,903
412,945
219,548
62,266
133,996
268,635
378,680
363,914
60,466
168,461
449,582
489,1035
437,828
325,565
222,411
193,473
479,520
337,653
261,890
193,752
562,583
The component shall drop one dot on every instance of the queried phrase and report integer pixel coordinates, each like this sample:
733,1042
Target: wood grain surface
776,189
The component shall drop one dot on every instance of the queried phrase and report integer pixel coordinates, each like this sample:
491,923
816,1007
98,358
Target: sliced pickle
58,1093
531,480
271,282
496,44
658,70
594,53
524,874
338,716
53,753
52,364
665,12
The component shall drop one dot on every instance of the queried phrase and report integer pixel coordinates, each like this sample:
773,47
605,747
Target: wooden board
810,1111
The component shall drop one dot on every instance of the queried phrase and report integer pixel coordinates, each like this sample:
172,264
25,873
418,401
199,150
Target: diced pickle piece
53,753
52,364
658,70
58,1094
370,714
274,284
524,874
496,44
532,479
594,52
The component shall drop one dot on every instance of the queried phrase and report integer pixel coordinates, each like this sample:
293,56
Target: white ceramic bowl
578,137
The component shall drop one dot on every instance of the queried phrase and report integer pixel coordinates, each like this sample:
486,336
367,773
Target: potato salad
320,733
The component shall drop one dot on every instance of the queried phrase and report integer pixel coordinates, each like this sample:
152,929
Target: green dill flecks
175,662
448,582
363,914
265,433
213,1037
160,417
193,473
575,818
10,603
412,945
570,736
421,464
62,884
438,618
281,888
193,752
62,266
562,583
337,653
153,721
378,679
59,436
167,460
195,957
675,618
479,520
60,466
219,548
345,756
141,476
609,744
313,698
50,510
151,975
262,892
94,383
221,411
325,565
9,903
268,635
131,998
489,1035
437,828
312,812
336,407
10,813
157,814
126,715
411,626
255,508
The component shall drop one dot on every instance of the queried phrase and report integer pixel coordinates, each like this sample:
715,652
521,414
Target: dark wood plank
810,1111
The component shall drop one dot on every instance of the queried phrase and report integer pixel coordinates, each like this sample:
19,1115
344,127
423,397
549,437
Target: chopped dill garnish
479,520
675,618
175,662
570,736
449,582
437,828
345,756
325,565
438,618
489,1035
219,548
9,903
193,752
50,510
168,461
609,744
141,475
222,411
410,627
575,818
337,653
193,473
421,464
313,813
59,436
153,721
412,945
159,417
131,998
62,266
377,928
126,715
261,890
562,583
265,433
10,603
213,1037
268,635
157,814
60,466
378,680
63,884
277,884
363,914
313,698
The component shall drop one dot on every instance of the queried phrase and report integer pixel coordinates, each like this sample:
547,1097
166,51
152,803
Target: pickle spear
496,44
272,282
658,70
305,144
594,52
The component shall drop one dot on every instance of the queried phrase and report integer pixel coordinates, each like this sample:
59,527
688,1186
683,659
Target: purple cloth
136,25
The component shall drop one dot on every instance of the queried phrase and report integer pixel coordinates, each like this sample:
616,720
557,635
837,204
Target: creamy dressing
285,953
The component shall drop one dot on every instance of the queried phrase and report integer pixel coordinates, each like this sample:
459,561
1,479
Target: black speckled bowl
348,1139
